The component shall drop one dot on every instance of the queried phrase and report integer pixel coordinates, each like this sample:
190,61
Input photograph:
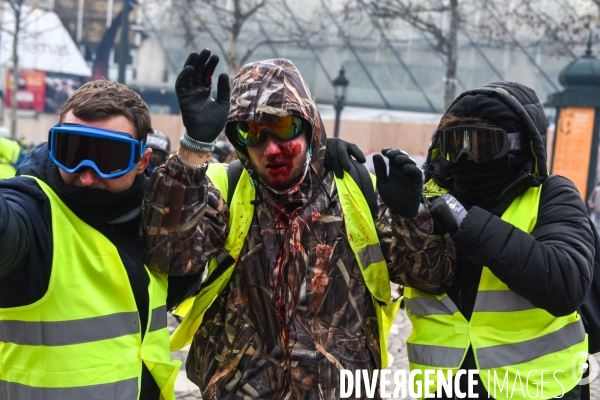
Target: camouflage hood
274,88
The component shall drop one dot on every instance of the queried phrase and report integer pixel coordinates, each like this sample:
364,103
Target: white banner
44,44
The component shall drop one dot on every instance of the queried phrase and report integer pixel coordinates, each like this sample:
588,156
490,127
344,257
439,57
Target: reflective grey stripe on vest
158,319
122,390
501,301
435,356
63,333
425,306
512,354
370,255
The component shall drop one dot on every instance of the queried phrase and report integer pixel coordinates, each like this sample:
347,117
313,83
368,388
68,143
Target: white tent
44,45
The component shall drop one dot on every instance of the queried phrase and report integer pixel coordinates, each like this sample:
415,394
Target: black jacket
26,249
552,266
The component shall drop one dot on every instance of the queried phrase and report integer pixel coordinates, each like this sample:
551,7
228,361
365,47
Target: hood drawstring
332,201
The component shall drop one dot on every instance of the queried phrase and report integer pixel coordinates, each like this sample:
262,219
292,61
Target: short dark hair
101,100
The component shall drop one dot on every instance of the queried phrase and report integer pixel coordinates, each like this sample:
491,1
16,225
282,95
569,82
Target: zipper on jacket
460,291
527,174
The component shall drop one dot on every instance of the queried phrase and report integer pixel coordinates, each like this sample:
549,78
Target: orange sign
31,89
573,145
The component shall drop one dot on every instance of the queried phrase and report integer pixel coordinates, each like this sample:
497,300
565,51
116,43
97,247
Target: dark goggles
111,154
480,143
254,133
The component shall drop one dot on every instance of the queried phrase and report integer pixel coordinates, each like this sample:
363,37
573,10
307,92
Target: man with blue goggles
71,265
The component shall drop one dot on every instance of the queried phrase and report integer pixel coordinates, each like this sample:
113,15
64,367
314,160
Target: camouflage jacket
296,309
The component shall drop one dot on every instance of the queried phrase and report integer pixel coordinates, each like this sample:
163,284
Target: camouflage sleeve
185,220
416,257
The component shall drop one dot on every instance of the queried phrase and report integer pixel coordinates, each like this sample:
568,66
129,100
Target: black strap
220,270
358,172
361,176
234,172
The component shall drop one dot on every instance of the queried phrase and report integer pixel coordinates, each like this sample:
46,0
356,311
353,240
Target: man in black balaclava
525,250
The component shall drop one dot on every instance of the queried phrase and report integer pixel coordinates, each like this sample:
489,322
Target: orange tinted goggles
254,133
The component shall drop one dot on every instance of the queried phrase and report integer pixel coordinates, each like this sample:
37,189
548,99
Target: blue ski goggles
111,154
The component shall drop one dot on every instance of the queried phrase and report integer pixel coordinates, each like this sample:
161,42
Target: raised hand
447,213
204,117
401,190
338,153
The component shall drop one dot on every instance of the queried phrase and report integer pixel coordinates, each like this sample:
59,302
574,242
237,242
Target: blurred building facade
381,65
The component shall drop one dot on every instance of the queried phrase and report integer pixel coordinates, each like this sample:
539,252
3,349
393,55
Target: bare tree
523,24
224,23
23,13
555,25
16,7
237,27
426,16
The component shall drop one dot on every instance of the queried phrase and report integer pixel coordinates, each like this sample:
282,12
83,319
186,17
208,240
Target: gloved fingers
438,226
355,152
400,160
200,66
191,60
398,157
333,157
343,157
380,169
391,152
413,173
442,215
184,83
209,70
433,201
223,90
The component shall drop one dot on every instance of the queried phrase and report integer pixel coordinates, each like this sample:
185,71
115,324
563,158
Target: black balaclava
98,206
478,184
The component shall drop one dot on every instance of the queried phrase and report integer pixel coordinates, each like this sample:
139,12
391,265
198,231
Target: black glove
447,214
203,117
337,155
401,190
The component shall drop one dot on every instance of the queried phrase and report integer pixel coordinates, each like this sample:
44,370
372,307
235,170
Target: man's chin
280,182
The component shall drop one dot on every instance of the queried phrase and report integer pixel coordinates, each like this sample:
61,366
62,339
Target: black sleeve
181,287
25,242
552,266
17,210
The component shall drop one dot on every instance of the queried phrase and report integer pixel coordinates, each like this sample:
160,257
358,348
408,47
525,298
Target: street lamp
339,84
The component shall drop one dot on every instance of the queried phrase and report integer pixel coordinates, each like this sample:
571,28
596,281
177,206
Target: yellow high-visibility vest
82,339
362,237
510,337
9,154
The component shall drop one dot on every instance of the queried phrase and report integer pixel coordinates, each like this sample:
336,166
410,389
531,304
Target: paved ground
185,390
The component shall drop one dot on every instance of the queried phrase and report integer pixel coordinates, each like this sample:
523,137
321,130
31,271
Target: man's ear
144,160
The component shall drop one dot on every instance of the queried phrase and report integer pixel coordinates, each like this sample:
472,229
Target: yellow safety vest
9,154
82,339
362,237
509,335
